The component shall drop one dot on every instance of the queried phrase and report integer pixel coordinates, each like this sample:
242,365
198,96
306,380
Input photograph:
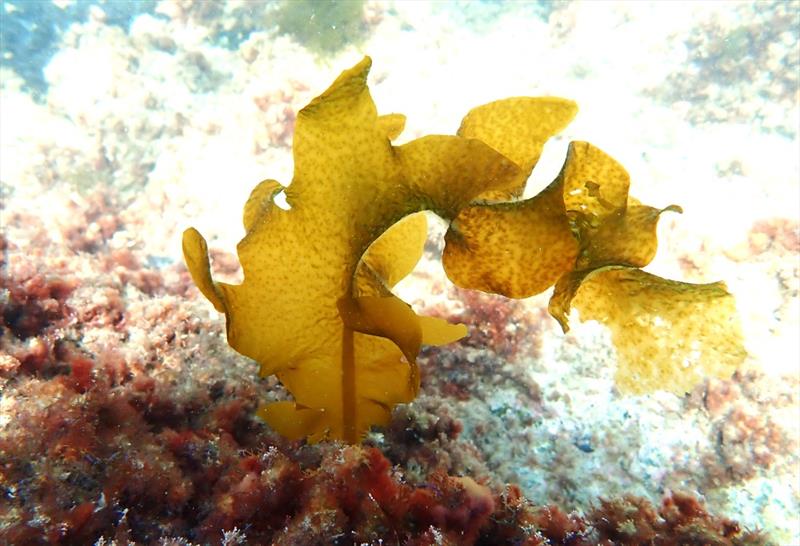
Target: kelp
316,306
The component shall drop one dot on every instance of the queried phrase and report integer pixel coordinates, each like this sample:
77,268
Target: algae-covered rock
324,26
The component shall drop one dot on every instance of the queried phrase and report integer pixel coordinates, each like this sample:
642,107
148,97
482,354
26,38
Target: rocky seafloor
124,415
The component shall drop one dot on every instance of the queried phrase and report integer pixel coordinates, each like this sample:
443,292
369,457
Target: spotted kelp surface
345,347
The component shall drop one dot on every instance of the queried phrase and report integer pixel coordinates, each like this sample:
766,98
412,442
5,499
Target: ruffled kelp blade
518,128
585,232
669,335
316,308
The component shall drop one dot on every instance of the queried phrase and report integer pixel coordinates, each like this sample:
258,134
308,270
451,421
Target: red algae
127,421
751,440
115,441
109,457
122,455
500,324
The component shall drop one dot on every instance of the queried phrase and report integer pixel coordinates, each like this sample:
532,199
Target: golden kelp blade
595,185
612,227
195,254
392,125
260,202
627,237
522,248
585,218
444,174
388,317
518,128
514,249
292,421
388,260
669,335
391,257
316,309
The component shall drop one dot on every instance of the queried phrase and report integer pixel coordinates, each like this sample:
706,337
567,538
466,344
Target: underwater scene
375,272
